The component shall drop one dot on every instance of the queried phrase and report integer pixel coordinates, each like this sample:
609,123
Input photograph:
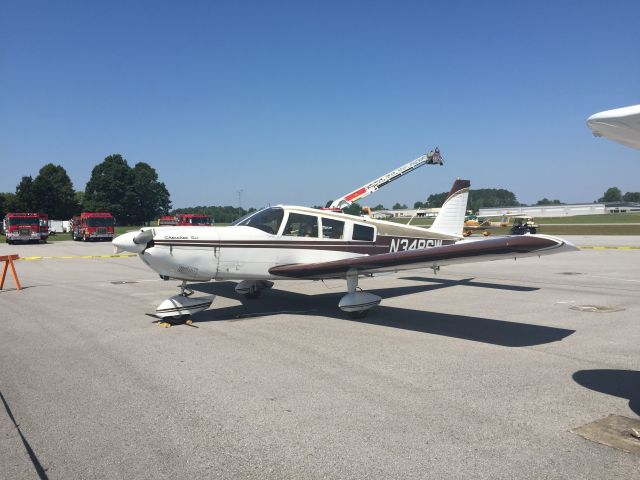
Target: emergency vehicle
167,220
26,227
93,226
187,219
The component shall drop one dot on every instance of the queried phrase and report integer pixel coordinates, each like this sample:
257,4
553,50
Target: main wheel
532,230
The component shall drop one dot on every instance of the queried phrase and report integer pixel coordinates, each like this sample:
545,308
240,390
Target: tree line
134,195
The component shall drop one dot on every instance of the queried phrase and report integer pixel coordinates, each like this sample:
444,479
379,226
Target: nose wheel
184,290
179,308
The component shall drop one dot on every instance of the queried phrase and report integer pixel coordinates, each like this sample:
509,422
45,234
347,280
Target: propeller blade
134,242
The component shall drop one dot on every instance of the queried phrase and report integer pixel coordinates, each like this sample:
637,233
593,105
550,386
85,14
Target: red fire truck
26,227
167,220
93,226
185,219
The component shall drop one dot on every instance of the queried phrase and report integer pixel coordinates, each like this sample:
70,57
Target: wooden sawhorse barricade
7,261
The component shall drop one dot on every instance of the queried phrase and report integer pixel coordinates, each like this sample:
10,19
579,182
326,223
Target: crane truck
431,158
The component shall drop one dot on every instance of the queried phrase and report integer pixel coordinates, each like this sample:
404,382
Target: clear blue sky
299,102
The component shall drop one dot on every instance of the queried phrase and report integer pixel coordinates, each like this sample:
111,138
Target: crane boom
431,158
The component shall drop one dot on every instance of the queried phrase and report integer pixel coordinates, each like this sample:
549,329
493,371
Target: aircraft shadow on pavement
619,383
477,329
470,282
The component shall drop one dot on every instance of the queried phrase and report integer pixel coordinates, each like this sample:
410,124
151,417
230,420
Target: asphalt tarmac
481,371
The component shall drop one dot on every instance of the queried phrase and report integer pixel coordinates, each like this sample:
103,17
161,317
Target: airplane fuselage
244,252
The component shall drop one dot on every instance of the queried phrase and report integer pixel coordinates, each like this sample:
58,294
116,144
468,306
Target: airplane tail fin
450,219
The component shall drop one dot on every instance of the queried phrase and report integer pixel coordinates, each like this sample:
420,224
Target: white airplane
289,242
621,125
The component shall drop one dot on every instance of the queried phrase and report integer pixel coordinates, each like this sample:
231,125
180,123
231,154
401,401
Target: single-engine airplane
289,242
473,223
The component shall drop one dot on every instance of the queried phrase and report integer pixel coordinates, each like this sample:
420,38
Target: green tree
631,197
419,205
399,206
79,197
546,201
481,198
152,196
435,200
53,192
132,195
613,194
24,200
7,203
490,198
353,209
110,189
378,207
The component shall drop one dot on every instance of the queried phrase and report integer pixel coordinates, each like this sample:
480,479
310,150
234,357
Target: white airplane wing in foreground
621,125
461,252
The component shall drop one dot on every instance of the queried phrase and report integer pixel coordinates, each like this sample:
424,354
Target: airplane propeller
134,242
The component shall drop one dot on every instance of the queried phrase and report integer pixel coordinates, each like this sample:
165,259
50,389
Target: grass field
610,224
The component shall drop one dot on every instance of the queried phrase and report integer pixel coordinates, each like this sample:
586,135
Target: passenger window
332,228
300,225
362,232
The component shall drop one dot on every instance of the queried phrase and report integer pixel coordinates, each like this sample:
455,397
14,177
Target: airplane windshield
267,220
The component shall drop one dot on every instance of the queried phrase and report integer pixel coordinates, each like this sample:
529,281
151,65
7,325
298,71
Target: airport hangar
561,210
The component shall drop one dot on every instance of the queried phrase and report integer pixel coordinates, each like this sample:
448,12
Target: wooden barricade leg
8,263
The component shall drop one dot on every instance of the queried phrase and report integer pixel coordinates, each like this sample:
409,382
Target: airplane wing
621,125
461,252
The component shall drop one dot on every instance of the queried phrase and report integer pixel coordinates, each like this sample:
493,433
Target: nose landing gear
182,305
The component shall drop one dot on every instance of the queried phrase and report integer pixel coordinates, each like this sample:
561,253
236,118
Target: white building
547,210
407,213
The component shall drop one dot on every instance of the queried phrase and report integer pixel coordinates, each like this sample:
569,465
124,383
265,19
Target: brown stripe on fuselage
383,244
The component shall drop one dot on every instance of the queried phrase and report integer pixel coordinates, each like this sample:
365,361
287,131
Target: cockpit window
243,218
300,225
332,228
267,220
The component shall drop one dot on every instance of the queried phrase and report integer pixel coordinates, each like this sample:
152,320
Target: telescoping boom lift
431,158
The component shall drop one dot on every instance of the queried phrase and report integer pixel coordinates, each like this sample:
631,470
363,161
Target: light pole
240,198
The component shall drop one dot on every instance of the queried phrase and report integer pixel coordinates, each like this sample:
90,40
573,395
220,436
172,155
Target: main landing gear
252,289
180,306
357,303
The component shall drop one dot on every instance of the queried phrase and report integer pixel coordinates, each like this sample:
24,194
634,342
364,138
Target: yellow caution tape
64,257
608,247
